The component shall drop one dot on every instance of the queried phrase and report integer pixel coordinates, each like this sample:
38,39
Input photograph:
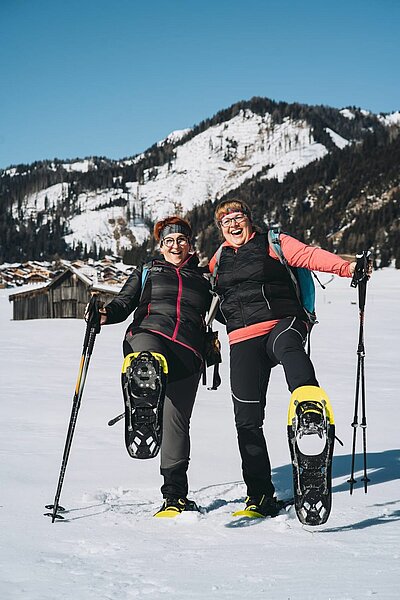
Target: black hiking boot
264,506
173,506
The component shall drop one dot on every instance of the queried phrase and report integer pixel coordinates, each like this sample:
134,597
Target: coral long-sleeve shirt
297,254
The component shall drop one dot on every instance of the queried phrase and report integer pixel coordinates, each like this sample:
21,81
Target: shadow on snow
382,467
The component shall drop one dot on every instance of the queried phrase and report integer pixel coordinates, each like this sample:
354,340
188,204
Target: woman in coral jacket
266,326
170,307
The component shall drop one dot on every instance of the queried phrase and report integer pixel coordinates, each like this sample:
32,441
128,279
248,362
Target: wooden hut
66,296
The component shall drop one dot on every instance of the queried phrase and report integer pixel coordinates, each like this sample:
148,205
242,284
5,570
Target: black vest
253,286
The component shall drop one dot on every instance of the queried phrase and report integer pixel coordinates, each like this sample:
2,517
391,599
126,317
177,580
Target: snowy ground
111,547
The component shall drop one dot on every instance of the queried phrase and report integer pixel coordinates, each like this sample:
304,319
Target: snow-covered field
111,547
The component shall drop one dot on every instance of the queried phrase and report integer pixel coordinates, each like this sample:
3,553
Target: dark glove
101,310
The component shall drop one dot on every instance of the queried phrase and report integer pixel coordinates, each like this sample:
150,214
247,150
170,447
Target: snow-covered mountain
106,204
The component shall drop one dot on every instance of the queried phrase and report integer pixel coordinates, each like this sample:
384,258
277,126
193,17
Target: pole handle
93,314
361,273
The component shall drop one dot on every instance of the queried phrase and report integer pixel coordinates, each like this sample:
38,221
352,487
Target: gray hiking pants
184,369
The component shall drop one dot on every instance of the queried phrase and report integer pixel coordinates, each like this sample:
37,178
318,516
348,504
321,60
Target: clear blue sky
111,77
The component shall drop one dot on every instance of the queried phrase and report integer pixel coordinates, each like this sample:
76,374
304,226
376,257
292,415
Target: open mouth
236,232
178,254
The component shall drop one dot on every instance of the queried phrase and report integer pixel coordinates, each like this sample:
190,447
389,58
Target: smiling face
175,248
236,228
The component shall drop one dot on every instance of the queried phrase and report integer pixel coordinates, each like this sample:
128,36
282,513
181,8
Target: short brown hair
228,206
161,225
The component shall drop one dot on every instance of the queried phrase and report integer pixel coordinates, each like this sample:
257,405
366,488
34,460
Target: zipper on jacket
265,297
178,304
239,299
220,308
178,298
242,312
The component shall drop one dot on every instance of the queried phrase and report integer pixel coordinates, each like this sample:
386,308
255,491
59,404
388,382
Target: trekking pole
92,329
360,279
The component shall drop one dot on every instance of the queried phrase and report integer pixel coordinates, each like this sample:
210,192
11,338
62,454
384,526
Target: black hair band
175,228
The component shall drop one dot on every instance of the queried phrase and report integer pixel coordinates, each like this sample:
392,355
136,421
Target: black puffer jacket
173,302
254,287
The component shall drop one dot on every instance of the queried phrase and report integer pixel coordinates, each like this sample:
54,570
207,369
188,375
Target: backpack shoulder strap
274,241
145,273
303,283
213,277
212,311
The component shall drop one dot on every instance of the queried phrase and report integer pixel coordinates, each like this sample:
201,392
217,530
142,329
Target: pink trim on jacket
177,342
178,304
178,311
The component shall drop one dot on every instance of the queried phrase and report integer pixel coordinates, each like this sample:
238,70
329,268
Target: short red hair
160,225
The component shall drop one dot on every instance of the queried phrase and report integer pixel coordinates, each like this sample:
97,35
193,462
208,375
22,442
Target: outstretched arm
313,258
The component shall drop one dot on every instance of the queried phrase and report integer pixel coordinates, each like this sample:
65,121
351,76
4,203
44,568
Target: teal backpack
302,278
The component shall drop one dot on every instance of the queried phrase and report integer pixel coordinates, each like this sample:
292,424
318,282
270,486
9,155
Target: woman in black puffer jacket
170,297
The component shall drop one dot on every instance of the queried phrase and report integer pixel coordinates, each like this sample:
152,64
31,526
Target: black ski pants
183,380
251,362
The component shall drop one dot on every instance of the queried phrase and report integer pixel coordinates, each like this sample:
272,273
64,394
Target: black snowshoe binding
144,376
311,420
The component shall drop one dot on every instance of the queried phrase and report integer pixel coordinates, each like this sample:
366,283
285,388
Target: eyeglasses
226,222
180,241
